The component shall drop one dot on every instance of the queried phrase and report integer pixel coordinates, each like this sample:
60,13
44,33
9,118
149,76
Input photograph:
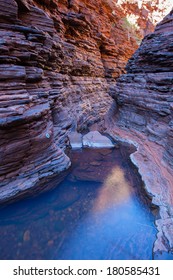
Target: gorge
63,70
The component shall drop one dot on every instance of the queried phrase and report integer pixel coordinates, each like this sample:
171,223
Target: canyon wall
57,60
144,94
144,115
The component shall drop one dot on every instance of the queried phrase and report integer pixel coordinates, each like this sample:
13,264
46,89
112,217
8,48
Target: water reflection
115,190
97,212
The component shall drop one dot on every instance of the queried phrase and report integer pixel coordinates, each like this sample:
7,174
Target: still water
99,211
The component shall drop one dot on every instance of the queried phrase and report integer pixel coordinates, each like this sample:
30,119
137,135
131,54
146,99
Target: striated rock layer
57,62
57,59
144,115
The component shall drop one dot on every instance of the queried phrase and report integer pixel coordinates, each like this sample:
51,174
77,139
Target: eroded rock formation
144,98
57,59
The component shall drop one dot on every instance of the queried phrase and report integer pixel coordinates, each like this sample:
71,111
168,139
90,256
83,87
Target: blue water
99,211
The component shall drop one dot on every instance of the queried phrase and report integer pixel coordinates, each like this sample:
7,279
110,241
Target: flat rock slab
95,140
75,140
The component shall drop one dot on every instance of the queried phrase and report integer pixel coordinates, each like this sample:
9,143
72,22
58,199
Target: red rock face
145,116
144,94
57,61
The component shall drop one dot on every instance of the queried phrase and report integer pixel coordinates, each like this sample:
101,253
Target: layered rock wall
57,62
57,59
28,152
144,94
144,114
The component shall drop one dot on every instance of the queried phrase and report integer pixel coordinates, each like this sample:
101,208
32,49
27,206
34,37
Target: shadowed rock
75,140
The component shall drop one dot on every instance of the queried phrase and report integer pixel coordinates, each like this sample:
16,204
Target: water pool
99,211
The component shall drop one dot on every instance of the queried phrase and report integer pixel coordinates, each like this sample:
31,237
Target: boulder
96,140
